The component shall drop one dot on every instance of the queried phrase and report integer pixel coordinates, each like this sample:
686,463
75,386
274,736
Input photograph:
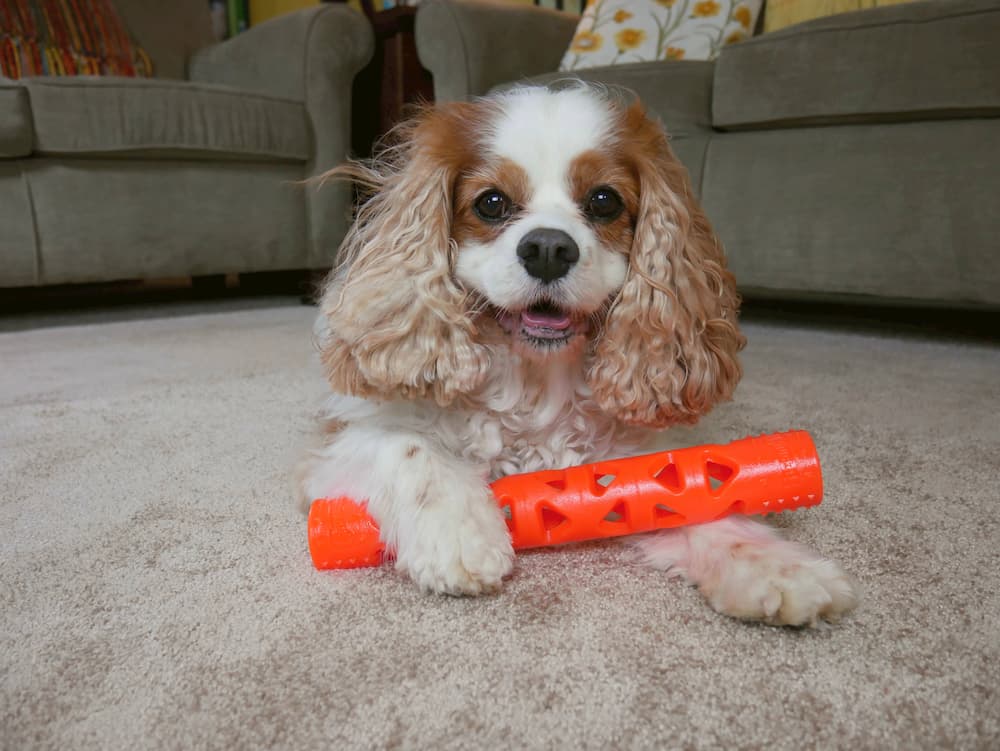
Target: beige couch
196,171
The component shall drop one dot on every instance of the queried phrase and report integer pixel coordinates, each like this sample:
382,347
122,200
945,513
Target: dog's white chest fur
541,418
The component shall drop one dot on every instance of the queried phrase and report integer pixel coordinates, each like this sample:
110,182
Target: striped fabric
67,38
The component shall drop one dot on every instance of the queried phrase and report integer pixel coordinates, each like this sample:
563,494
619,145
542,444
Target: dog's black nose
547,254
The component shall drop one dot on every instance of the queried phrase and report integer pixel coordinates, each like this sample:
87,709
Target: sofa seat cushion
16,133
128,116
902,62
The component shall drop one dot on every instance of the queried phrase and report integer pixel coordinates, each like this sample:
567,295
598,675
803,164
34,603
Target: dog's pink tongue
545,325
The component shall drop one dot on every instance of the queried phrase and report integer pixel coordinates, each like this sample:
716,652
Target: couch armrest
311,56
288,55
470,46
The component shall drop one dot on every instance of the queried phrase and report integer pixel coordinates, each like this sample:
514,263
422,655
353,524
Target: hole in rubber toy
617,514
551,518
669,478
718,475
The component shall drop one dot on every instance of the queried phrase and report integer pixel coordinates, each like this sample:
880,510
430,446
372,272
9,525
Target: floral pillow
630,31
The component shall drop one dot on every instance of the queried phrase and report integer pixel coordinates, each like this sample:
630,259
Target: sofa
850,158
195,171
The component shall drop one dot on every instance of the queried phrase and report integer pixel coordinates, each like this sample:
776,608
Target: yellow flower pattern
586,41
706,8
646,30
629,39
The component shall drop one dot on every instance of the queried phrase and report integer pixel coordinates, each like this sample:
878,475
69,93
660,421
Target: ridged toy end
343,535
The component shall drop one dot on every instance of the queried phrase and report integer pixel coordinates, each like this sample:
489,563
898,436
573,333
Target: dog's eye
492,206
604,204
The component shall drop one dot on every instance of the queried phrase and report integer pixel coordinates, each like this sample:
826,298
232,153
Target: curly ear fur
668,352
396,319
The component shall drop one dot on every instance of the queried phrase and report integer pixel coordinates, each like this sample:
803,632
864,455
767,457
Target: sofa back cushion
55,38
169,30
912,61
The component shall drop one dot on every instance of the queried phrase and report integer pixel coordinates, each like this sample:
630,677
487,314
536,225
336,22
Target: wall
781,13
261,10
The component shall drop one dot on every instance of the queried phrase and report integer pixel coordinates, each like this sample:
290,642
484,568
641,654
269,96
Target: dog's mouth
544,325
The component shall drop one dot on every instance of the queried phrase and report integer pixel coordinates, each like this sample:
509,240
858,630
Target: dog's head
558,222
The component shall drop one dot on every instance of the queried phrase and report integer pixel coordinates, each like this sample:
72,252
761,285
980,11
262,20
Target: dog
530,283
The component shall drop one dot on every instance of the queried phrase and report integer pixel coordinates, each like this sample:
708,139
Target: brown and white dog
531,284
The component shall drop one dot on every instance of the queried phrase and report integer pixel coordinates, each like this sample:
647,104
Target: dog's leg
746,570
434,510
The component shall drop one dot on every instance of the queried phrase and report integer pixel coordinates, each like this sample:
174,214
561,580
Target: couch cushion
104,219
863,209
169,31
16,133
89,115
902,62
67,39
18,241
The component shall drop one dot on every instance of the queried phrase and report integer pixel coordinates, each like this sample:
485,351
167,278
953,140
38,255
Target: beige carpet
155,590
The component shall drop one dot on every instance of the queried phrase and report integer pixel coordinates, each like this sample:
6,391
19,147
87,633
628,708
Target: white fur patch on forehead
544,130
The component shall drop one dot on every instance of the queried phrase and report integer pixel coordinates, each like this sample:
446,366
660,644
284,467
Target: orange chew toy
666,489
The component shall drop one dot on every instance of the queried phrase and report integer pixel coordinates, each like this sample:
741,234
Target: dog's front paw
467,553
780,583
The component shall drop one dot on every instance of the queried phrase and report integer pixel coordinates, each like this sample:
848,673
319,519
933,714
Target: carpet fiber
155,589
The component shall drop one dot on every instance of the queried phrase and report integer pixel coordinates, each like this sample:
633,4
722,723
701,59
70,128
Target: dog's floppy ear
668,350
395,321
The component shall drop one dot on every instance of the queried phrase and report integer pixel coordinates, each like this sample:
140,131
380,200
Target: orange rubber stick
760,475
